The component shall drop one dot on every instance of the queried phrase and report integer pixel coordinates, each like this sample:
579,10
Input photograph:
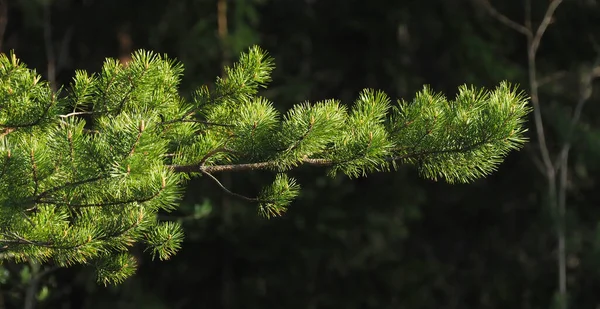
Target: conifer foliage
85,171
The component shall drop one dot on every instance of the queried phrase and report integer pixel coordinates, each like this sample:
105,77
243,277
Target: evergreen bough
84,172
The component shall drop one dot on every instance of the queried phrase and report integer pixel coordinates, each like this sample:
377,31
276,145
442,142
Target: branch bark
556,188
504,19
240,167
533,43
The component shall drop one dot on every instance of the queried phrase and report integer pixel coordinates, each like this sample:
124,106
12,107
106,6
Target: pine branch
86,180
266,165
75,114
273,165
38,197
504,19
207,123
102,204
227,190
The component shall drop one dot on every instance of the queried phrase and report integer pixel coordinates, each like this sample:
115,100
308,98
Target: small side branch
15,239
212,153
102,204
206,123
75,114
535,43
504,19
198,168
44,194
6,131
227,190
34,172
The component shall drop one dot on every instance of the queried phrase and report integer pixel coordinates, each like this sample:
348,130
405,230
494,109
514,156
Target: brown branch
137,141
535,43
75,114
250,199
532,47
561,207
556,202
317,162
504,19
208,123
15,239
67,185
34,172
212,153
196,168
106,204
6,131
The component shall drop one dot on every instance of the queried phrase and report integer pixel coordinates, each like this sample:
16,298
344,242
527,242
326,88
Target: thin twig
208,123
544,24
584,95
227,190
197,168
212,153
103,204
6,131
532,47
504,19
556,195
75,114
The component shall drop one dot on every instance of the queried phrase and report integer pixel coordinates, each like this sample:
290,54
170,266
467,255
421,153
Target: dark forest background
392,240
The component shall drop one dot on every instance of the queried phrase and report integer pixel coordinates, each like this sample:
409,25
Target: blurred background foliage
391,240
